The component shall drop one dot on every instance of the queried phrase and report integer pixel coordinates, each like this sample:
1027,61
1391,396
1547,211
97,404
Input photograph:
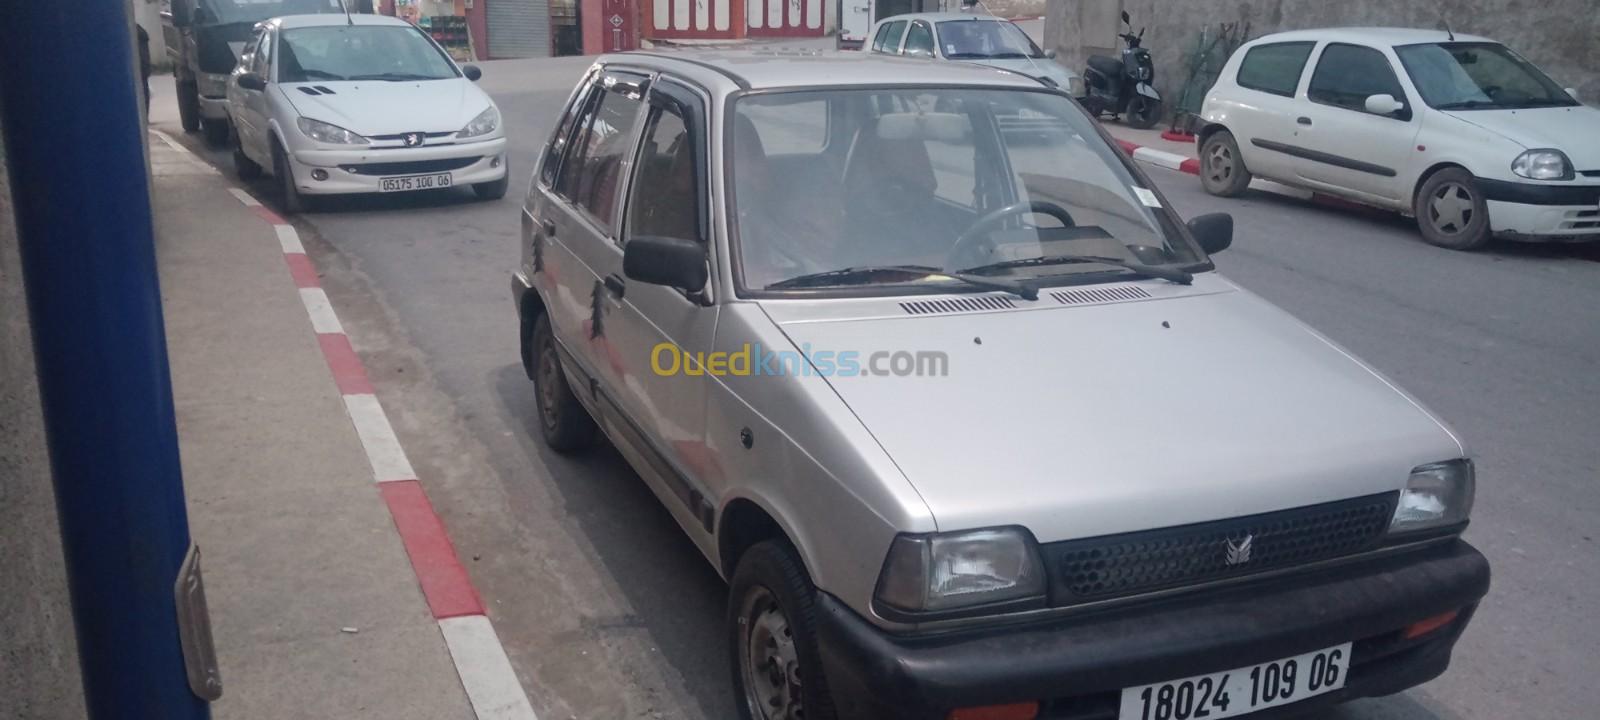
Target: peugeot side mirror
1051,53
252,81
472,72
673,262
1573,92
1384,104
1214,232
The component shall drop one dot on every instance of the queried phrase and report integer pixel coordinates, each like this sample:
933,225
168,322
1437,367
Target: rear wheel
1143,113
1451,211
1222,170
216,131
566,425
188,105
777,669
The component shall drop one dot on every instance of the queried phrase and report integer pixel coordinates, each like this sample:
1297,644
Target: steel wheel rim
1451,208
547,383
1219,163
769,663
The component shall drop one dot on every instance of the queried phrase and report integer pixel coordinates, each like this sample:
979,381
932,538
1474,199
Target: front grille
402,136
410,167
1590,173
1113,566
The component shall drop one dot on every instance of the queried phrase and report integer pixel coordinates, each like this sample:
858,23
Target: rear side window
591,175
1347,74
1274,68
558,141
889,37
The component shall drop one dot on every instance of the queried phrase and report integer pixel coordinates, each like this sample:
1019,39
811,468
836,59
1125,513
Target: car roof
942,17
1381,36
289,22
790,68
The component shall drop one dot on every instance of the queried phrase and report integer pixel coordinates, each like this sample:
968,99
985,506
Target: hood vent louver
308,91
976,303
325,90
1089,296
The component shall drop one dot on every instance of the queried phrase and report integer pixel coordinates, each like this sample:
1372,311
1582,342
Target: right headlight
1436,495
952,571
1543,164
328,132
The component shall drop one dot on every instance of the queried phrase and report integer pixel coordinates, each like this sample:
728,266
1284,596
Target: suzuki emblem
413,139
1239,552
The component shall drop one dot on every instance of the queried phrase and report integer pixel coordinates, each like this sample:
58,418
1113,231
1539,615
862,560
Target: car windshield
360,52
980,39
252,11
1478,76
903,186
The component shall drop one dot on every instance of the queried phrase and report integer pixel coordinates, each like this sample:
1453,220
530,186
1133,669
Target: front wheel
1451,211
777,669
293,202
1143,113
216,132
188,105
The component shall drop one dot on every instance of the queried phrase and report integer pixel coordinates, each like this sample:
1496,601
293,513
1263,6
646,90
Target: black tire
188,106
1451,210
1222,169
293,202
243,166
493,190
770,589
216,131
1143,113
564,422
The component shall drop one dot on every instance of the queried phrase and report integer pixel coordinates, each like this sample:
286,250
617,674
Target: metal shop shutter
518,28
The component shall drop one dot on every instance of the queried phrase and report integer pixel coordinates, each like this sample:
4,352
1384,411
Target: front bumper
351,171
1075,667
213,95
1540,212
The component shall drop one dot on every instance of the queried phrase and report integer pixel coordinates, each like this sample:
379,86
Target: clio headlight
328,132
950,571
483,124
1436,495
1543,164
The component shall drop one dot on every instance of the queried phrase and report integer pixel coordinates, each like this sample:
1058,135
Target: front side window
666,200
984,39
564,129
1012,184
889,37
1478,76
591,174
261,61
1274,68
1347,75
919,38
360,52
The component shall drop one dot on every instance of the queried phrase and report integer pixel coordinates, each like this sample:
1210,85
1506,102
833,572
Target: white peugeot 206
336,104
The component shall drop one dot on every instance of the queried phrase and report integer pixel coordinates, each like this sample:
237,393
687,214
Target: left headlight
949,571
1436,495
1543,164
483,124
328,132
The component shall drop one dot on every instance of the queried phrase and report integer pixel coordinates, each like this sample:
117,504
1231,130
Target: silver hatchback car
963,412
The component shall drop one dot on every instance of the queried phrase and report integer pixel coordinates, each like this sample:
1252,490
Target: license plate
414,182
1238,692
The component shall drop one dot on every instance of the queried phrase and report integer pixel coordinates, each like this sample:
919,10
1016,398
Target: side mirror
180,13
1214,232
1051,53
1125,19
673,262
472,72
968,3
1572,91
252,81
1384,104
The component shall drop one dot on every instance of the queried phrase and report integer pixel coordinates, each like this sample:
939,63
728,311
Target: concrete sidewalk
314,605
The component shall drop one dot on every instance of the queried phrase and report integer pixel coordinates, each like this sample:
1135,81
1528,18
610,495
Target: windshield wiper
324,74
1008,55
395,77
844,276
967,56
1466,105
1182,277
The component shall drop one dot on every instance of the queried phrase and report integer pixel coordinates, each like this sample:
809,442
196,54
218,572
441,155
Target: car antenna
1445,26
346,5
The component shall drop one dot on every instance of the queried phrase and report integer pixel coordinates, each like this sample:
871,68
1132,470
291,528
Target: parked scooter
1123,87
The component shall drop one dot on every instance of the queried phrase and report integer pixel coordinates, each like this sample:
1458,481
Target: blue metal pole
74,147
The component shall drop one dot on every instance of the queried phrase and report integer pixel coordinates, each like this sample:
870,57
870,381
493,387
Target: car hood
374,107
1033,67
1568,129
1197,404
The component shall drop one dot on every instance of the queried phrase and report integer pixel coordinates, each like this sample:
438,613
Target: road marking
301,269
348,372
486,672
289,240
243,196
389,462
322,318
444,581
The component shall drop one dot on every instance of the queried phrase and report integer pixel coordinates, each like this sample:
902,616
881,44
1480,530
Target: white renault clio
335,104
1460,131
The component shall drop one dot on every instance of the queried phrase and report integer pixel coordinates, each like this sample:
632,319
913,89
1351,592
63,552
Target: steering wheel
981,227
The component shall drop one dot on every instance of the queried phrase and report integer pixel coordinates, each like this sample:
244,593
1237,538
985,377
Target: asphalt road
607,610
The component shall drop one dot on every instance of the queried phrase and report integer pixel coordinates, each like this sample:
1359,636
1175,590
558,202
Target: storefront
449,22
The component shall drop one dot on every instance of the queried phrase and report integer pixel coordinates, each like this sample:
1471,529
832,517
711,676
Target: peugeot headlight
950,571
1543,164
1436,495
328,133
483,124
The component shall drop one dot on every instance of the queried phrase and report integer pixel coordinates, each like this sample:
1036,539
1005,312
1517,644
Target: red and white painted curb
1184,163
480,659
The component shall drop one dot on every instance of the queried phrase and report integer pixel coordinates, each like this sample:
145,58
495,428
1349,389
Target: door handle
1303,120
615,285
548,226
